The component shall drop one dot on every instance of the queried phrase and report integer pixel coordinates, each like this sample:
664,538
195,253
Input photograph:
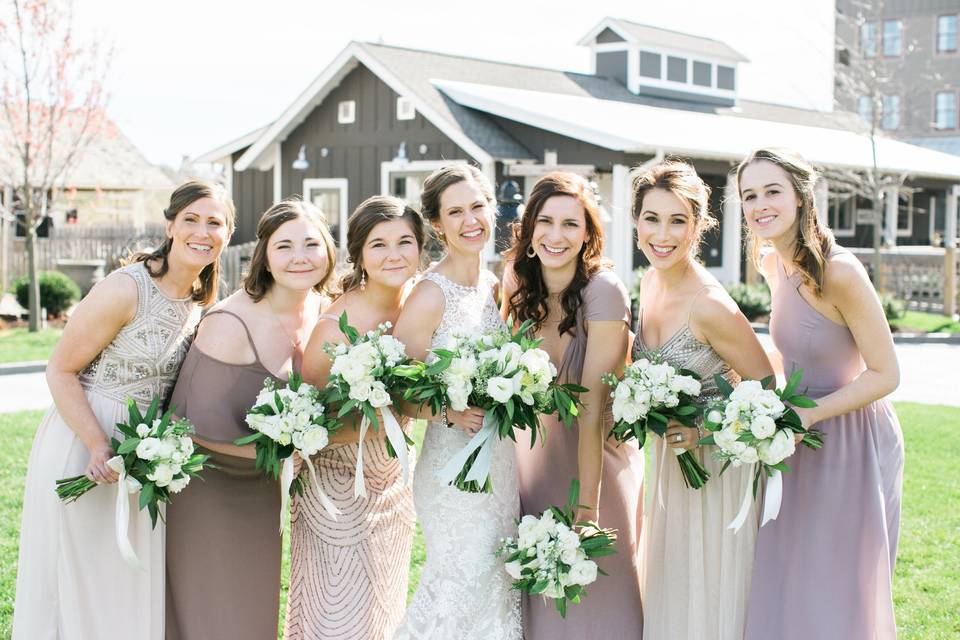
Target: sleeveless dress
824,567
696,571
612,609
71,581
223,530
464,592
348,576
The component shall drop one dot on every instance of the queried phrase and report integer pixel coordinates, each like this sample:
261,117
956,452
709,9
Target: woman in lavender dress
557,278
824,567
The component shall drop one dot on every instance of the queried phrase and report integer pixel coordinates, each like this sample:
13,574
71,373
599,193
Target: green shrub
57,292
753,300
893,308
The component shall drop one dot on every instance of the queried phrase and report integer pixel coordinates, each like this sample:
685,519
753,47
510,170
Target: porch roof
647,129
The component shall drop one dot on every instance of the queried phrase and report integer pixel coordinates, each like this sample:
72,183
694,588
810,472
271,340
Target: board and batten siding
252,195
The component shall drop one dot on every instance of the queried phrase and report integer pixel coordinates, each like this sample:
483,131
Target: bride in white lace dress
464,592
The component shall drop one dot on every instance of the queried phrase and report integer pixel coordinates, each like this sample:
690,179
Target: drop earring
363,280
531,252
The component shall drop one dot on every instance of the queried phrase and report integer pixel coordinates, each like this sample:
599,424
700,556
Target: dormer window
676,69
347,112
725,78
650,64
702,74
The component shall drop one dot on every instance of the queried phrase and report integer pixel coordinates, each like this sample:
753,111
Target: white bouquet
287,419
363,377
156,459
504,373
554,556
754,425
650,394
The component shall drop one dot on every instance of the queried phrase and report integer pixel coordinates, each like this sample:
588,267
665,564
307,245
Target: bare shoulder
116,296
425,297
223,336
327,330
714,306
844,274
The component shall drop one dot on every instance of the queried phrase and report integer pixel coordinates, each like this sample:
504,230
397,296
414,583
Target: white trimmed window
347,112
892,38
947,34
865,108
868,39
945,112
405,110
891,112
842,216
905,213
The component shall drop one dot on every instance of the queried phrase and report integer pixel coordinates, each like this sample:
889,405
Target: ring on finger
678,438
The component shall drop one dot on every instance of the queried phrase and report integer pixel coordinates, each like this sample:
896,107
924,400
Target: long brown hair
529,301
368,215
813,242
680,179
438,182
205,286
259,280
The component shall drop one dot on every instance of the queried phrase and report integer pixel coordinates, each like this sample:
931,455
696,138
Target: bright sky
190,75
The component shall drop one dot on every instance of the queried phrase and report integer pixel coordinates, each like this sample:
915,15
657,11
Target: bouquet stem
69,489
694,475
472,486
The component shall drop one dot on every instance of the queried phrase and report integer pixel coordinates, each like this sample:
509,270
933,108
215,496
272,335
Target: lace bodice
464,592
145,356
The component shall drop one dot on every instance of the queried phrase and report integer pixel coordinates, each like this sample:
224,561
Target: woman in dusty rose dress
556,277
125,340
223,533
696,571
824,567
348,574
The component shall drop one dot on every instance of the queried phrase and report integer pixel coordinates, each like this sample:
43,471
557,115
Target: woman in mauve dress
824,567
223,530
125,340
557,277
348,574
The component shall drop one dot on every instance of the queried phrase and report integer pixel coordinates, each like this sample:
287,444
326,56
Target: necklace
295,338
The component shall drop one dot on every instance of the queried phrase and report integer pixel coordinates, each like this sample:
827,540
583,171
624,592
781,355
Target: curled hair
813,242
680,179
157,261
259,280
368,215
529,301
438,182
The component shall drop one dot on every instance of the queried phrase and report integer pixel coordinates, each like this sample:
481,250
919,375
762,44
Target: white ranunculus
177,484
360,391
725,438
731,411
584,572
749,455
379,396
715,416
769,403
500,389
763,427
312,441
746,390
513,568
779,448
143,430
162,475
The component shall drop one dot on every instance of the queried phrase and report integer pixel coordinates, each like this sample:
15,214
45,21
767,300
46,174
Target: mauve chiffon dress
824,568
612,610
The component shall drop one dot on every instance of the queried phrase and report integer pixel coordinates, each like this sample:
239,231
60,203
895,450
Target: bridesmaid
824,567
126,339
696,574
348,576
223,544
557,278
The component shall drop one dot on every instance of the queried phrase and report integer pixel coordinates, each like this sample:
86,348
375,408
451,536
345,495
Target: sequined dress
464,592
71,580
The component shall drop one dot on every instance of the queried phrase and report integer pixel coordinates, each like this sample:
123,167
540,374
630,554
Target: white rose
769,403
553,590
148,449
513,568
778,449
143,430
360,391
763,427
725,439
715,416
312,441
584,572
622,391
379,396
671,401
749,455
265,397
500,389
631,413
526,532
732,411
746,390
658,373
458,397
177,484
162,475
659,394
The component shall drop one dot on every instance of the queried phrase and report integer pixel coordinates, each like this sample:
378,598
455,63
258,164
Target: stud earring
531,252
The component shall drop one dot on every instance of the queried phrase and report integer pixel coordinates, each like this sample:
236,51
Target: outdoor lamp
301,163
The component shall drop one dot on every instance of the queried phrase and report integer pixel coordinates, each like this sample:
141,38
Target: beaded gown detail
464,592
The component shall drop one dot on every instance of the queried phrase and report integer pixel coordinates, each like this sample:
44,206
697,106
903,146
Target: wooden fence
916,275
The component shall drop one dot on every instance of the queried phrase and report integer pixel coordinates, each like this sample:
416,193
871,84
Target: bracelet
443,414
699,434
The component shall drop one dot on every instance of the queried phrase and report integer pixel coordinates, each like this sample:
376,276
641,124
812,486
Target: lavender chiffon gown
612,609
824,567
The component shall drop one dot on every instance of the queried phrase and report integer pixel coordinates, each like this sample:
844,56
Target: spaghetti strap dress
223,529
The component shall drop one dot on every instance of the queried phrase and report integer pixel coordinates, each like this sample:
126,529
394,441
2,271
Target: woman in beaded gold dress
126,339
348,575
696,570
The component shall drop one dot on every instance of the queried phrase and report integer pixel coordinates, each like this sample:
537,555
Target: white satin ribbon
324,500
483,440
125,487
397,441
359,487
744,508
286,479
772,496
660,468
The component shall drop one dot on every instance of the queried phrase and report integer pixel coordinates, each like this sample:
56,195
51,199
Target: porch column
731,239
950,253
277,173
891,203
621,227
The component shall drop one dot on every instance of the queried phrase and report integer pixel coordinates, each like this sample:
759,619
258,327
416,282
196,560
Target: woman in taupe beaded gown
696,571
223,540
126,339
348,575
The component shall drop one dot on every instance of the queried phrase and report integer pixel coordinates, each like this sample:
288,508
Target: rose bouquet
287,419
363,377
754,425
646,398
554,556
507,376
155,459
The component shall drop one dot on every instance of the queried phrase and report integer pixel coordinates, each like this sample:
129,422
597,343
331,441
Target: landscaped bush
57,292
893,308
753,300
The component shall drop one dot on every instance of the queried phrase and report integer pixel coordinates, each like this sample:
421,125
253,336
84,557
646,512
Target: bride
464,592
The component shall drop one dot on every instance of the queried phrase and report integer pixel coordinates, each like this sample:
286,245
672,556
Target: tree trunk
33,277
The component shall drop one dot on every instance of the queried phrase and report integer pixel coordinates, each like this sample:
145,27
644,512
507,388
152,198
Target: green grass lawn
926,590
921,322
19,345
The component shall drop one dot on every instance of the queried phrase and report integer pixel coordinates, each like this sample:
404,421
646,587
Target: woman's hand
470,420
681,437
807,420
97,469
